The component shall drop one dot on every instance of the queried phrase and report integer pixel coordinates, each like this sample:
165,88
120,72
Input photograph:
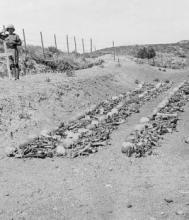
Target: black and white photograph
94,110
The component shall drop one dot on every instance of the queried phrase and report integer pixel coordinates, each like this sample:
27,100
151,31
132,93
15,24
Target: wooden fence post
55,43
75,43
114,52
42,44
83,45
7,57
24,37
67,40
91,43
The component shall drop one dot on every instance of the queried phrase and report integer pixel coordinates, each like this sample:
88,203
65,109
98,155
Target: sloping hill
173,55
175,48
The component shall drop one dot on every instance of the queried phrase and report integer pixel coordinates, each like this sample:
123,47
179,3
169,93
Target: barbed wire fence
69,43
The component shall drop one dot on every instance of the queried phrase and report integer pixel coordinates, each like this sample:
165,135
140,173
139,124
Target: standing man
12,41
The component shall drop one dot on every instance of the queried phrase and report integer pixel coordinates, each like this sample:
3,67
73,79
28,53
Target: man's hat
10,26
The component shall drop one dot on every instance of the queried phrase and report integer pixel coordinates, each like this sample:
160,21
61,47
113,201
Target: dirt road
105,185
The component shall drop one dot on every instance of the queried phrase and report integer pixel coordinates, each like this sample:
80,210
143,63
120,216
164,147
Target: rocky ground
105,185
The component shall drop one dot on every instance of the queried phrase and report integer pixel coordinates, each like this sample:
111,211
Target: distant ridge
183,42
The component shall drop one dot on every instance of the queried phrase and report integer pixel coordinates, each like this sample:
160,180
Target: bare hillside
172,56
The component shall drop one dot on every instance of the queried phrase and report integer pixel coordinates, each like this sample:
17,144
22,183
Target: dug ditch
92,130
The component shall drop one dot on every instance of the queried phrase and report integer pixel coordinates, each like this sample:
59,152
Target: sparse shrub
182,55
36,52
167,81
60,93
53,50
156,80
150,53
146,53
28,63
24,116
42,97
142,53
137,81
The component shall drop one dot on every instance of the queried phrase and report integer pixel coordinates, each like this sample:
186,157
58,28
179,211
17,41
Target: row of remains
163,120
91,130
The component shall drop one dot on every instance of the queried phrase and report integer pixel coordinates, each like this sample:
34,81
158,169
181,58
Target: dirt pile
163,120
91,130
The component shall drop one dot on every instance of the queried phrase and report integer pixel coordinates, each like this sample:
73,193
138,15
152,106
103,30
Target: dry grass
33,61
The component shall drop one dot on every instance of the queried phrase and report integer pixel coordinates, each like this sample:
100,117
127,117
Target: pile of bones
91,130
148,133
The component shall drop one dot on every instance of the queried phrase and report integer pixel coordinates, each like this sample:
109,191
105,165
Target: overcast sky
124,21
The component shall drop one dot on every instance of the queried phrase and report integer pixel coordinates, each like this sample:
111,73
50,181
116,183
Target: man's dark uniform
12,41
